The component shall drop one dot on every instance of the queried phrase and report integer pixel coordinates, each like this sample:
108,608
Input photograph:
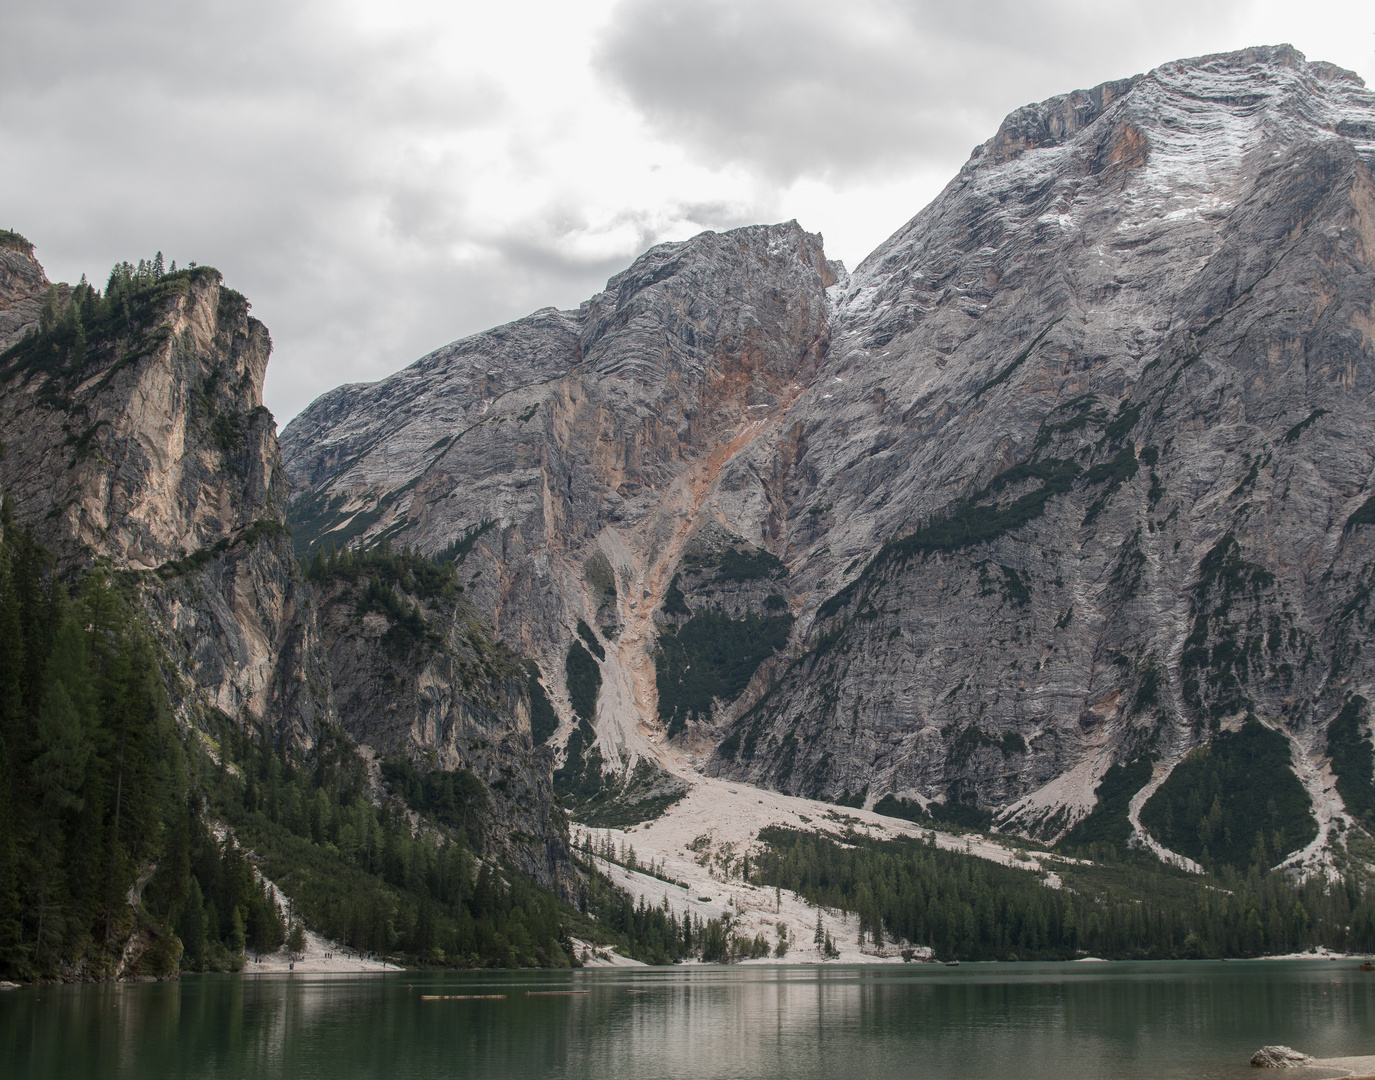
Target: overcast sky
382,177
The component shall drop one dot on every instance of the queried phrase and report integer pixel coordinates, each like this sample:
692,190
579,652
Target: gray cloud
261,138
809,87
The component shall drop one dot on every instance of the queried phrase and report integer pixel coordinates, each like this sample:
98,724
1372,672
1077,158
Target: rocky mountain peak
1195,123
1066,476
1273,84
166,391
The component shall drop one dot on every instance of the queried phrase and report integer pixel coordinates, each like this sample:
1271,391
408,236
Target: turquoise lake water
1001,1021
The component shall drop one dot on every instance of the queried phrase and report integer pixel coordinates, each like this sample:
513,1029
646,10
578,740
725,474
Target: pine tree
191,927
10,906
236,940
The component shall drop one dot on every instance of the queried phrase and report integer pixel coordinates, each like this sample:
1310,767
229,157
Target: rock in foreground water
1279,1057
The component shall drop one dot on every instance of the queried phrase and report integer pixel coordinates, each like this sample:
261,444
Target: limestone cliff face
569,457
135,438
1072,469
157,444
145,445
1089,437
22,285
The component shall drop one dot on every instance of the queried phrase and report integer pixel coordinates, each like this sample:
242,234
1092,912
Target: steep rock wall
1072,470
147,448
418,677
571,495
1087,450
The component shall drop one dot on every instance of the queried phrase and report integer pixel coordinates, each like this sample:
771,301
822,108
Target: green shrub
957,814
1215,663
580,781
1363,515
971,523
450,797
735,563
712,656
1292,435
585,632
583,678
543,720
1107,822
675,603
1353,760
88,331
458,551
12,240
386,567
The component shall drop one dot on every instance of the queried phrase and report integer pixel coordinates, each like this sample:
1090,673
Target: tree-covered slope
144,503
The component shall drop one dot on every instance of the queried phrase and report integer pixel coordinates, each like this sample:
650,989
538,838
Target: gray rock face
157,456
1090,433
571,494
22,285
1072,468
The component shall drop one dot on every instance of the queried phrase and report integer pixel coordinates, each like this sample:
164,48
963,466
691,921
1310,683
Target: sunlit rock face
1072,469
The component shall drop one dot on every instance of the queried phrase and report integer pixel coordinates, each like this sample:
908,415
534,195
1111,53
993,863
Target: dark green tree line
973,909
93,786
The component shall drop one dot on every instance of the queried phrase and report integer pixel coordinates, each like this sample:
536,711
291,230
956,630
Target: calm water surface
856,1023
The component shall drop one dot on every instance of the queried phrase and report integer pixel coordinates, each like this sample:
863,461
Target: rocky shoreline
1283,1057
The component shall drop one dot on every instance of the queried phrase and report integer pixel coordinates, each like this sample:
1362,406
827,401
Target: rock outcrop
419,678
570,457
1073,471
141,442
1110,389
22,287
1279,1057
1087,436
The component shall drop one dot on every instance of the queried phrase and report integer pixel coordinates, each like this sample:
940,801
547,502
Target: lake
1197,1019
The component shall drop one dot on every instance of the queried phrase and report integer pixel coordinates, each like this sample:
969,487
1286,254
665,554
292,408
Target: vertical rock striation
566,460
1085,431
144,446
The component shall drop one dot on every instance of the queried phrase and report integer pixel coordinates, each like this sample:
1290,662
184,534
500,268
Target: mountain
148,586
1055,512
569,460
